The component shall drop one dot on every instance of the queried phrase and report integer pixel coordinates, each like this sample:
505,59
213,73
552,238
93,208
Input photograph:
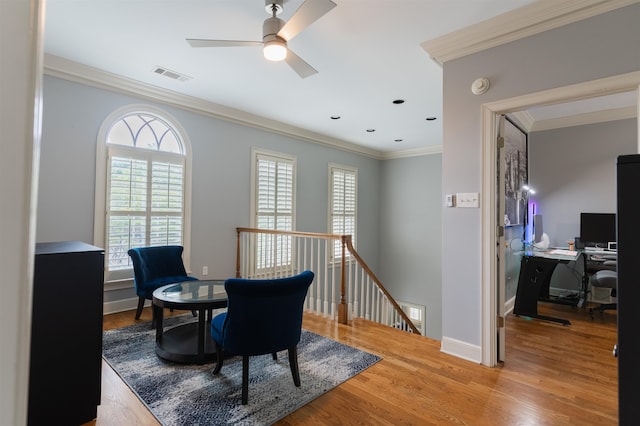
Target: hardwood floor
553,375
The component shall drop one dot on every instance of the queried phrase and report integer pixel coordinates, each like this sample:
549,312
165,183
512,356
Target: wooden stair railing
344,287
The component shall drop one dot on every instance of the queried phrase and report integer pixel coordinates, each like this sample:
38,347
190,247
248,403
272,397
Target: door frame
595,88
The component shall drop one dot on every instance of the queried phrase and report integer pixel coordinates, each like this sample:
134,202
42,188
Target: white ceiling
368,53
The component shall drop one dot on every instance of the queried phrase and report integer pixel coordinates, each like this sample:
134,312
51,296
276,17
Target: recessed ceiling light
397,140
335,117
371,130
398,101
430,118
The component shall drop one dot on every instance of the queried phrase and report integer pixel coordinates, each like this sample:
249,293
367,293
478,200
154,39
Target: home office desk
536,269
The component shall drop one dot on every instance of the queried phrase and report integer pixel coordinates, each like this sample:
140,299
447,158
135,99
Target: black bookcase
628,230
66,334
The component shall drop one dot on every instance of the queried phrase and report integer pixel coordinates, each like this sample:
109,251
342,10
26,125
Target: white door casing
490,111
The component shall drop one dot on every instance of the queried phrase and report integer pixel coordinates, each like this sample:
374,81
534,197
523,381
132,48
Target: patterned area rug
180,394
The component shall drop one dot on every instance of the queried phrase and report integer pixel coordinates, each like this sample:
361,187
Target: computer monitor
537,228
597,229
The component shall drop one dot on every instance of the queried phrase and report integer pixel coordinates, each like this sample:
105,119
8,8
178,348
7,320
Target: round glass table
189,343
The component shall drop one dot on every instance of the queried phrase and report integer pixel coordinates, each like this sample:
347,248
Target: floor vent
171,74
416,314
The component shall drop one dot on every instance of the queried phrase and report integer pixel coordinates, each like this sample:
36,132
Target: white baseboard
122,305
509,305
461,349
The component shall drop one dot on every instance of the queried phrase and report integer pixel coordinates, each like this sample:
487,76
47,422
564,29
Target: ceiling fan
276,33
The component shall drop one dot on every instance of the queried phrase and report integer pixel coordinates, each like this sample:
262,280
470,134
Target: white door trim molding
605,86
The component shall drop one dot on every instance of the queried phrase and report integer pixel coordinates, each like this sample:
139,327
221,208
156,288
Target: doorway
610,85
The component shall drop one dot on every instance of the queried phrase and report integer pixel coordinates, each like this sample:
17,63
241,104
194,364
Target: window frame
256,154
347,170
104,150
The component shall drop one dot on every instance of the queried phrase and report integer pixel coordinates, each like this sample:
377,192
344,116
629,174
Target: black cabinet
628,230
66,334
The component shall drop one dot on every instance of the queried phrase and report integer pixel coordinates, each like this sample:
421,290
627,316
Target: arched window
144,158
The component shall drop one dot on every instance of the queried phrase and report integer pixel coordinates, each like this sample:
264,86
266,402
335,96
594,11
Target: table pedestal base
180,344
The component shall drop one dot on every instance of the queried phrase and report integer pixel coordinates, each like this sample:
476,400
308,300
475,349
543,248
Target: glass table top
563,254
557,254
192,291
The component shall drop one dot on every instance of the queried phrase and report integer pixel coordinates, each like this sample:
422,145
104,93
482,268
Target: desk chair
606,279
600,263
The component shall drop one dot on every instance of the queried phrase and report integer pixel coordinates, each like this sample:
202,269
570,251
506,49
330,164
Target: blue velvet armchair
154,267
263,317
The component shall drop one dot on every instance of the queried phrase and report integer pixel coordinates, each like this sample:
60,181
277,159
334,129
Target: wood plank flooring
554,375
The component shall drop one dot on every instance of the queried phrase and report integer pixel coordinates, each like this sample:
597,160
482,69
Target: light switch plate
450,200
467,199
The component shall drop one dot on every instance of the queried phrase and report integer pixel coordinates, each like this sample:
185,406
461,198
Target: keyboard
562,252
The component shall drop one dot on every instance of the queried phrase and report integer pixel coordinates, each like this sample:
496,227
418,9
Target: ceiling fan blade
196,42
309,12
303,69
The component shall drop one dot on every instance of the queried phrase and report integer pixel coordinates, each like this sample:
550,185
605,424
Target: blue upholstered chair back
264,316
154,267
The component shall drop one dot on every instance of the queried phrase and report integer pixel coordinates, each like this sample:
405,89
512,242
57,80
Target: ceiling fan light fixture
275,50
276,33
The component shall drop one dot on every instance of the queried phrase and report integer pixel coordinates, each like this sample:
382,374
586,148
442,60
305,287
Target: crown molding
529,124
56,66
523,22
575,92
586,118
417,152
523,119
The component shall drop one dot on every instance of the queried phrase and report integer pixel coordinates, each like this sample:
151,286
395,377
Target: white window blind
274,192
343,202
145,206
127,206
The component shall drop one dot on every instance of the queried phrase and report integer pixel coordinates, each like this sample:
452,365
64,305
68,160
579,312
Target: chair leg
220,357
274,356
602,308
194,313
140,306
245,379
293,363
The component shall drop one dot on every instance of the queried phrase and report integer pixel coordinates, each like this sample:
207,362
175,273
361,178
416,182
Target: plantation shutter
167,198
274,209
144,205
127,207
343,205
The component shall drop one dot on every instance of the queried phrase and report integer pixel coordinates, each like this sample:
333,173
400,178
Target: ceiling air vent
171,74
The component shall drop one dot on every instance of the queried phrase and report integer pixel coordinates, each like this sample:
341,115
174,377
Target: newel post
343,313
238,253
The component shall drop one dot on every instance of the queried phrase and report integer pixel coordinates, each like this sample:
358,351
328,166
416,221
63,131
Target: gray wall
221,150
574,170
601,46
411,234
